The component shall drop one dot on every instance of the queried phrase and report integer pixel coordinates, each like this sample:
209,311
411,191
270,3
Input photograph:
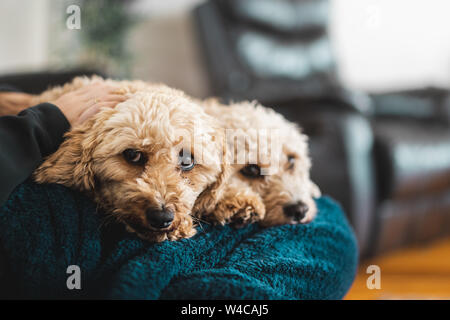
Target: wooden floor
415,273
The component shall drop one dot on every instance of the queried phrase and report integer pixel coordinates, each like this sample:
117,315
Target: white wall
23,35
387,44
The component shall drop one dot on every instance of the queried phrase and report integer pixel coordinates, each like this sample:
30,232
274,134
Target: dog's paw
242,209
184,229
178,234
245,216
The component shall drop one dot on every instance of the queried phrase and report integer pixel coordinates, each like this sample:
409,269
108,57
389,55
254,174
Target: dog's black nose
297,211
160,218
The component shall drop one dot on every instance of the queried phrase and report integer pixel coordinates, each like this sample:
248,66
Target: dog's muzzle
160,218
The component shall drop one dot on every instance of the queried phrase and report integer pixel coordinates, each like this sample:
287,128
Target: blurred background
368,81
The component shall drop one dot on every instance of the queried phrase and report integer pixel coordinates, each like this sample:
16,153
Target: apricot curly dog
146,162
270,180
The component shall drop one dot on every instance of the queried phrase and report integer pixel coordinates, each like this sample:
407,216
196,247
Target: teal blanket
45,229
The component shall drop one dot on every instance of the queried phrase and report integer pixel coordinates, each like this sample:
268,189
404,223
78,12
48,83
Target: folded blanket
46,228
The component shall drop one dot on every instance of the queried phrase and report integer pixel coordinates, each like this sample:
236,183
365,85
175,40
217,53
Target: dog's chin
305,220
149,233
153,236
284,221
276,217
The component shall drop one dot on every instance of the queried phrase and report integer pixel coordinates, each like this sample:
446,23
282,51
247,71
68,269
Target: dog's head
146,161
271,156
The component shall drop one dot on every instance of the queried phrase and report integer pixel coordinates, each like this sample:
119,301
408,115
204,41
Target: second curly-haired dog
270,182
147,161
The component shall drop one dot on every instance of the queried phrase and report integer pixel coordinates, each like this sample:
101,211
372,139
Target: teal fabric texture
44,229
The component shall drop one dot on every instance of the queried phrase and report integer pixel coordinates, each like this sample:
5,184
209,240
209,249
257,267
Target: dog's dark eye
186,160
134,156
251,171
291,162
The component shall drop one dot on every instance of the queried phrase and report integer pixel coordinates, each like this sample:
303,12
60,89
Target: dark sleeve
25,140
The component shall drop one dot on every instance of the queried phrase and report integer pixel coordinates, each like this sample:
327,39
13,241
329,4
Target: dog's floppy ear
211,196
71,164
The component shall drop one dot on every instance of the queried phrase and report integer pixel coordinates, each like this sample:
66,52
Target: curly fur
262,199
159,121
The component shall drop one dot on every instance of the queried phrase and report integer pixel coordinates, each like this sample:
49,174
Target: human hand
11,103
83,103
